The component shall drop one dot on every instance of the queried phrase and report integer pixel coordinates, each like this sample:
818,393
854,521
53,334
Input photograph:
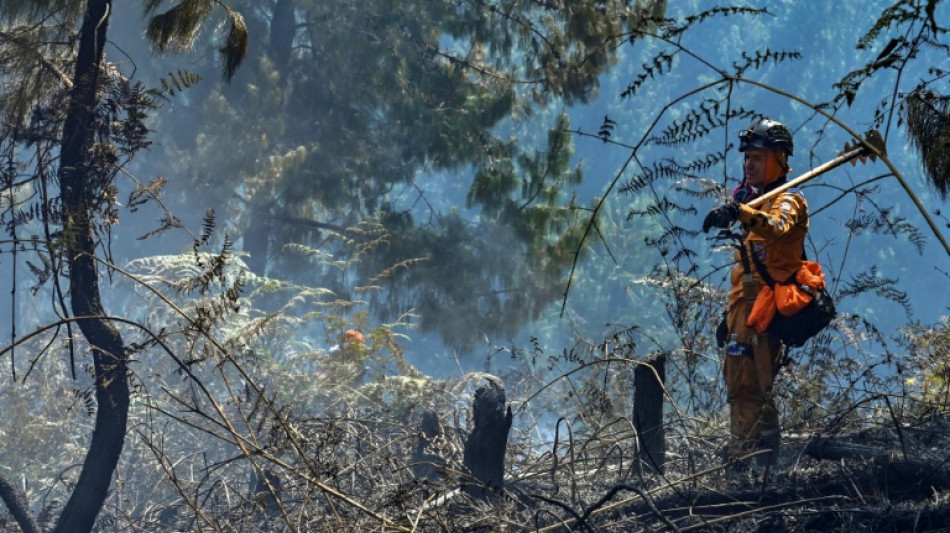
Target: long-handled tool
859,151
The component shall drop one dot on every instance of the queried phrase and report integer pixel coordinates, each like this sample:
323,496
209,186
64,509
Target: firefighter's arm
784,213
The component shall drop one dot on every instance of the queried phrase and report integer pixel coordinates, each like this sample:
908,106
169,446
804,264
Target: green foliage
916,28
234,376
178,28
929,372
428,96
33,9
30,54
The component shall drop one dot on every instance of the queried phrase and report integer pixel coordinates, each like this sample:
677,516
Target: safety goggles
749,135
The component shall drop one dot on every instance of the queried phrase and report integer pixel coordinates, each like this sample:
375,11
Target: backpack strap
764,272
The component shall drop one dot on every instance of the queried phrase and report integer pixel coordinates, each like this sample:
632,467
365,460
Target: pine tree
348,111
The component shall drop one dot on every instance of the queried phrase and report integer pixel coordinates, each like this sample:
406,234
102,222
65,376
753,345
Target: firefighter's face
754,165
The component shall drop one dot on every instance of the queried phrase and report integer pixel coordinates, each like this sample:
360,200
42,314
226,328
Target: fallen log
889,484
836,449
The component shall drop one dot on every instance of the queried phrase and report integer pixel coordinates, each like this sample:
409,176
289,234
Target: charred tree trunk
648,397
77,180
427,463
18,507
484,453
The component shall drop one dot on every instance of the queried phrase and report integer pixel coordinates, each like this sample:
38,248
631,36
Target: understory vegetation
209,381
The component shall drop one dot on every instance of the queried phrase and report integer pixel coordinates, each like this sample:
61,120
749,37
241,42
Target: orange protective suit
776,234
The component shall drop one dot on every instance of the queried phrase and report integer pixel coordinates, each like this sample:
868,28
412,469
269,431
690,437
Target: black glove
722,332
721,217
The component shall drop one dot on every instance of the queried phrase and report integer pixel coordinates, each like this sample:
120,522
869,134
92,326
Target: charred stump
267,489
484,452
427,463
648,396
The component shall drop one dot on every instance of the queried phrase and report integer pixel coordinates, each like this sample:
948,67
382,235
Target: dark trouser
749,379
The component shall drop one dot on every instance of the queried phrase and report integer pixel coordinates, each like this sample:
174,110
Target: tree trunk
484,454
108,351
427,463
648,379
283,28
18,506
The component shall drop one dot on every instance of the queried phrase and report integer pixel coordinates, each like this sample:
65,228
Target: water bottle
735,348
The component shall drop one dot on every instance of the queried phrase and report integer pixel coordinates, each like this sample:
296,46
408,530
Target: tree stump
427,462
263,497
648,379
484,453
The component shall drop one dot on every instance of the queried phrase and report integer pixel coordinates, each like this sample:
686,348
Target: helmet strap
775,166
782,157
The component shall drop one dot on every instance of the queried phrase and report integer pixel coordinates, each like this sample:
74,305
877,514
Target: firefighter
772,237
347,363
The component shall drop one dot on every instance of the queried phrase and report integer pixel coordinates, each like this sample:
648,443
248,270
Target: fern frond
761,58
902,11
664,206
87,397
670,169
176,83
885,223
871,281
42,274
388,272
634,184
207,226
145,193
660,64
167,222
673,30
606,128
700,122
664,242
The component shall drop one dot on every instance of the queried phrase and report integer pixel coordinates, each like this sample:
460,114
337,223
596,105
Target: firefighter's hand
721,217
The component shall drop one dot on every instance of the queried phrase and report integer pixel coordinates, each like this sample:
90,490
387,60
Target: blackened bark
484,454
836,450
426,462
108,351
17,506
903,487
648,397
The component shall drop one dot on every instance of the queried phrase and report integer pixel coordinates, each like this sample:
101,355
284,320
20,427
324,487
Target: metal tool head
872,138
